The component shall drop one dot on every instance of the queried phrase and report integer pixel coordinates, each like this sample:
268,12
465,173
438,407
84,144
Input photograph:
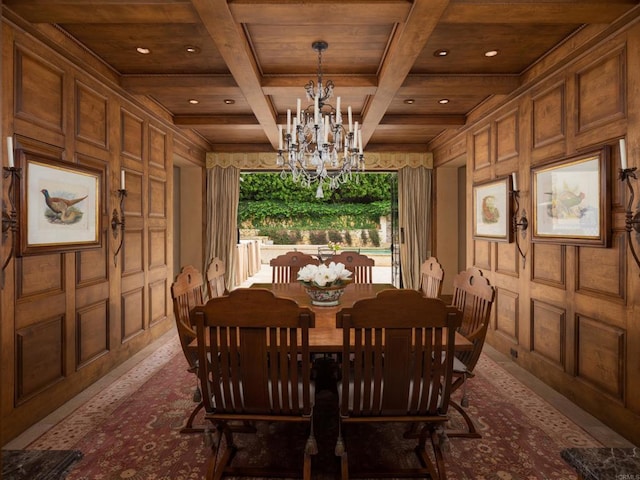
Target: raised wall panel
482,254
507,313
157,148
506,130
548,112
600,355
39,357
133,200
92,264
548,331
603,271
40,274
92,331
157,301
39,94
482,148
601,92
91,116
548,264
507,258
131,252
157,248
132,313
132,135
157,198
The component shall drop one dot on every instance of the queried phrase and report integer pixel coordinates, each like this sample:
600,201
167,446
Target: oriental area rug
131,430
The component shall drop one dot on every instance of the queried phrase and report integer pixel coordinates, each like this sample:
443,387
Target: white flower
324,275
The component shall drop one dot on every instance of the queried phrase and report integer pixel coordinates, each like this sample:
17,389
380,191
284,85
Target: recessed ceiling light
193,101
409,101
143,51
443,101
192,49
441,53
491,53
229,101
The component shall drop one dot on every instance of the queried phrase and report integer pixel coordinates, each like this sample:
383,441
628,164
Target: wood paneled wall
69,318
570,314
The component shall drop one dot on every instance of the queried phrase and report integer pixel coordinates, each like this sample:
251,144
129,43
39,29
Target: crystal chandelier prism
314,146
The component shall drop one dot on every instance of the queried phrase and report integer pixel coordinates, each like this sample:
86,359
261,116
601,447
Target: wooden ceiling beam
236,52
213,120
104,11
408,42
536,12
424,120
459,84
317,12
144,84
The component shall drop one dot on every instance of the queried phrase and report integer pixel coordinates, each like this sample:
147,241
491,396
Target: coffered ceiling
229,69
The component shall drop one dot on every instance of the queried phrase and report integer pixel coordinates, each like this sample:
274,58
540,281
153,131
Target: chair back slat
473,296
215,278
186,293
254,341
360,265
285,267
403,345
431,276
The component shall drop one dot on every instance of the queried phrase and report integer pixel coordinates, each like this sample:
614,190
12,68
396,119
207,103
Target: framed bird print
492,211
60,206
571,201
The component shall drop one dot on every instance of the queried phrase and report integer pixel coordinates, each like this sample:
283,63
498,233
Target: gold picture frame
493,211
59,206
571,201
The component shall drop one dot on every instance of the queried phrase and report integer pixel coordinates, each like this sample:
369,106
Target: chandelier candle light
314,146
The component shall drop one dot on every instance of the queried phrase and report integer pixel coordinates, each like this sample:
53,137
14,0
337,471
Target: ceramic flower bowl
325,296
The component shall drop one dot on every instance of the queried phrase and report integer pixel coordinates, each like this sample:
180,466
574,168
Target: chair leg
189,428
471,431
429,432
344,466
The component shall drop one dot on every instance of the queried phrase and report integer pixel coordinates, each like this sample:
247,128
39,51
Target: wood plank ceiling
246,61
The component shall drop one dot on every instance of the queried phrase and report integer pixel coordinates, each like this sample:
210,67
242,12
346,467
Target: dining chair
325,253
358,264
402,345
215,278
431,276
473,295
285,267
186,293
253,348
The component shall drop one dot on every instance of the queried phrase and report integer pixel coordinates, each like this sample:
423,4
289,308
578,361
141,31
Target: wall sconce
519,224
117,220
631,219
9,219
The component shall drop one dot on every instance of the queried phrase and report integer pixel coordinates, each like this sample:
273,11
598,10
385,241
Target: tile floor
593,426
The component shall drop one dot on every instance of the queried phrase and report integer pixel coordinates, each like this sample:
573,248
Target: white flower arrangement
324,276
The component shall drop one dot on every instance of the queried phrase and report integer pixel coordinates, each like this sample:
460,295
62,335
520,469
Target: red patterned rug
132,431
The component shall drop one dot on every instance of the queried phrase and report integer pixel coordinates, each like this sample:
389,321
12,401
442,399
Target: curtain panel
223,192
414,219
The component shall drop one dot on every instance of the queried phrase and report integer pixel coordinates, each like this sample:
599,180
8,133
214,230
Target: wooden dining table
325,337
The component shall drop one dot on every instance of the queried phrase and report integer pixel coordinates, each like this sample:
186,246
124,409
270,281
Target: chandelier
314,146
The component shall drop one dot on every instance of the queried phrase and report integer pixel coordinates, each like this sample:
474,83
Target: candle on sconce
122,180
279,137
10,152
515,182
350,115
298,110
623,154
